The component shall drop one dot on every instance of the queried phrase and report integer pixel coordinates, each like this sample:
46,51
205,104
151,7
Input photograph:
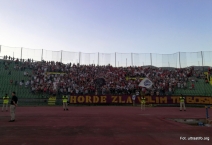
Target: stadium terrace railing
176,60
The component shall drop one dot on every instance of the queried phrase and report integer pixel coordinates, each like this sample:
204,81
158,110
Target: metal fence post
21,52
151,58
202,57
98,59
115,59
61,57
42,55
179,60
79,57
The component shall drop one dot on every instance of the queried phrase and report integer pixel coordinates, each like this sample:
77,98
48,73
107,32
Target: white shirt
133,97
55,85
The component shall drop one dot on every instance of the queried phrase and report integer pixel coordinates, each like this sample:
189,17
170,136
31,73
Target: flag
99,82
147,83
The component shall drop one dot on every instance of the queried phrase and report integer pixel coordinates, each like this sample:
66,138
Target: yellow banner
48,73
134,78
52,98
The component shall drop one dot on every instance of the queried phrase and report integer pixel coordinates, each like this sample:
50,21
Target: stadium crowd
55,77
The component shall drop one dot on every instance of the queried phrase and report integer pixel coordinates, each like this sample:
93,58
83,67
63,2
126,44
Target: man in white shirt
133,99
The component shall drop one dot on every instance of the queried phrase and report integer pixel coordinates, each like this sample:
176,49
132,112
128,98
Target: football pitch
103,125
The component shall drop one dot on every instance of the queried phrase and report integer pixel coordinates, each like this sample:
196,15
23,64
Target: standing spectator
65,100
192,86
133,99
5,102
143,102
137,93
21,83
13,105
182,103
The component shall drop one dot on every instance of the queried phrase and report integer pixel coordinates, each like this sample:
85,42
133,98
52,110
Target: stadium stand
37,81
11,74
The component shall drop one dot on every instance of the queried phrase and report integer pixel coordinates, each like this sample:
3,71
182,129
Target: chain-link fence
176,60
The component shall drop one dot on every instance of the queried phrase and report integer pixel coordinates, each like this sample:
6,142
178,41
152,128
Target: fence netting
169,60
70,57
35,54
88,58
141,59
176,60
157,60
123,59
190,59
47,55
106,59
11,51
56,55
207,58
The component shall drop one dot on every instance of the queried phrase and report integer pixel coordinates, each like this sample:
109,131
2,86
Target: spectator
80,79
206,80
21,83
192,86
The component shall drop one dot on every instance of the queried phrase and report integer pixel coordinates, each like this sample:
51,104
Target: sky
107,26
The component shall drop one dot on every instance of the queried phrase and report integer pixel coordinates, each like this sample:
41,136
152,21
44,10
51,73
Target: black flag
99,82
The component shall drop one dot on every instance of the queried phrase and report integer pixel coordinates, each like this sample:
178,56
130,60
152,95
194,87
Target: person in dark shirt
13,105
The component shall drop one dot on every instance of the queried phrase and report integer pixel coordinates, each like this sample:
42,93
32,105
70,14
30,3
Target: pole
61,55
115,59
126,62
21,52
42,55
179,60
79,57
131,59
203,70
98,59
151,58
202,58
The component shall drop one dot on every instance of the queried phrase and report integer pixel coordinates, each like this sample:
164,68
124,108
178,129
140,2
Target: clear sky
139,26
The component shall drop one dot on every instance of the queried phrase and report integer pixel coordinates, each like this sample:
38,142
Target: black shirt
15,99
